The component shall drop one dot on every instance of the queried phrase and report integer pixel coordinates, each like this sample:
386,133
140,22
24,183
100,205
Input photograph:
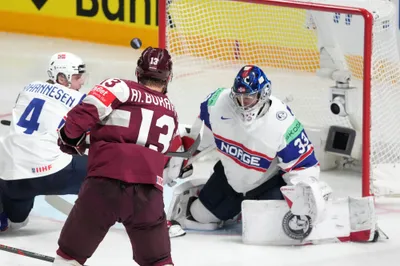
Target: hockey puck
5,122
136,43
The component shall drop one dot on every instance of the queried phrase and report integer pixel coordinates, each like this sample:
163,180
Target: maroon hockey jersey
131,127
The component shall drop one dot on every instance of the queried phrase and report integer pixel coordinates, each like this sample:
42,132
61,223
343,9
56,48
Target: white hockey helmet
67,64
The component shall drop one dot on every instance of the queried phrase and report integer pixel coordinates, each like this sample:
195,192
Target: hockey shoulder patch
293,131
102,94
213,97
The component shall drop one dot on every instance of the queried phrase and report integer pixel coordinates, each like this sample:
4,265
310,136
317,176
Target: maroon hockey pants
102,202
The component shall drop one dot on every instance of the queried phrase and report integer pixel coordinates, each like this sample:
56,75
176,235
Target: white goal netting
299,49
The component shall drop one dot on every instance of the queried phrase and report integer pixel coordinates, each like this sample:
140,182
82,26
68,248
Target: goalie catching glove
307,196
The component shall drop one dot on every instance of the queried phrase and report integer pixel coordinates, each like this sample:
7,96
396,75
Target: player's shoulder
36,86
280,115
120,88
38,82
217,97
127,84
283,120
74,93
116,83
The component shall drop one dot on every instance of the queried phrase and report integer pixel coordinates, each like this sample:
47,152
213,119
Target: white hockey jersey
30,147
251,154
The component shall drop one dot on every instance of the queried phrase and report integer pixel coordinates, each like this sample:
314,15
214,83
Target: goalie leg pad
362,219
266,222
201,214
217,202
270,222
178,212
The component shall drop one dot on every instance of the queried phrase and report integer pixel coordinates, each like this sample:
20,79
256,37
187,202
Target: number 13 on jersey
145,127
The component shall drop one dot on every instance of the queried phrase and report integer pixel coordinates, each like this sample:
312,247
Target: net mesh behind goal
298,48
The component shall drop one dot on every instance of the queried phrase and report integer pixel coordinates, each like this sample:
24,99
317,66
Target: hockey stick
65,206
189,152
59,203
182,154
185,154
27,253
200,154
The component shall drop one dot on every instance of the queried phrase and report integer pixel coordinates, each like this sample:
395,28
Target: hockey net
304,48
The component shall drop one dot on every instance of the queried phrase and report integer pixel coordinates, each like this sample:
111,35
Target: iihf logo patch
281,115
296,227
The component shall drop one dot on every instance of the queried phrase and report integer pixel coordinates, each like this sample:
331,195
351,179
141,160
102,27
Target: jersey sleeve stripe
262,169
243,147
83,97
204,114
308,157
293,131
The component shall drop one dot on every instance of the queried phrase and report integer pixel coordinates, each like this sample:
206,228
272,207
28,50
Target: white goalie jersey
30,147
251,154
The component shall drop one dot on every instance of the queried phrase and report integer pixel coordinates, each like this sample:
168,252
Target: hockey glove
308,197
186,170
71,146
174,169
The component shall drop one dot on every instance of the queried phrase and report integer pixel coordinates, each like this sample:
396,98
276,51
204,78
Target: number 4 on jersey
29,118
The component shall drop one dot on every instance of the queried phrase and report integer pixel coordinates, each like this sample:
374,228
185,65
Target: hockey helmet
67,64
154,63
250,91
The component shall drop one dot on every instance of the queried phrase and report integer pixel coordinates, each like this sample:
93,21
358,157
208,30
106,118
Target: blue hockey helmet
251,90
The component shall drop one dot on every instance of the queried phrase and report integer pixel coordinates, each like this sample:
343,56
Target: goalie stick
59,203
189,152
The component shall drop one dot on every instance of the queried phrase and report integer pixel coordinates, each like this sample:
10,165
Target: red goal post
367,58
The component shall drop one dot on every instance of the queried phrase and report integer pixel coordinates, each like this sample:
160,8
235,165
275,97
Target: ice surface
24,59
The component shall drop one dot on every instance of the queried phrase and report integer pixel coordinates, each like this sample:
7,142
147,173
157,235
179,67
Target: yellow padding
77,29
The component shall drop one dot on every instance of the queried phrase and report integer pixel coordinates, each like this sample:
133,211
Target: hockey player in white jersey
263,154
31,163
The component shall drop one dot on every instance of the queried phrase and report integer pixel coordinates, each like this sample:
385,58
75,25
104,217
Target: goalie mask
250,92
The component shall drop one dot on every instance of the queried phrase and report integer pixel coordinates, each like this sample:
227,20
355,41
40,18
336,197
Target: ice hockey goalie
266,173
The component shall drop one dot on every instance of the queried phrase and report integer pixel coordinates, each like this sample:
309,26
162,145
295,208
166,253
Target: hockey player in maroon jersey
132,125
